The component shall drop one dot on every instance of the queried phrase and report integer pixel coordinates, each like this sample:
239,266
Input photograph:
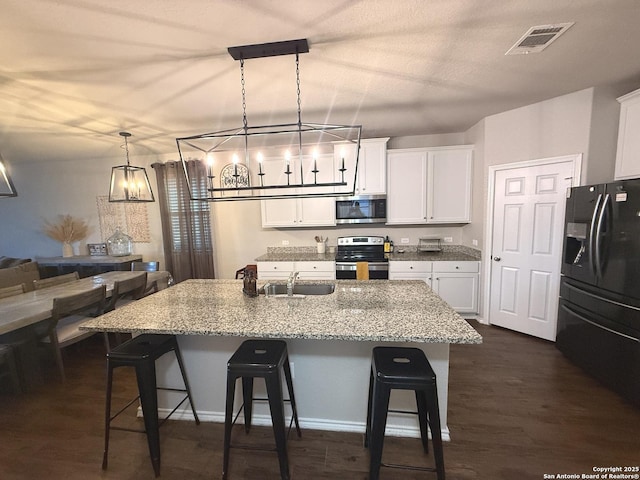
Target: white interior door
528,225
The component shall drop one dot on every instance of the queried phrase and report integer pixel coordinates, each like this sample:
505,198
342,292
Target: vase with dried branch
66,230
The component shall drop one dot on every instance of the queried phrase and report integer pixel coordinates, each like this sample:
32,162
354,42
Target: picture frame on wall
97,249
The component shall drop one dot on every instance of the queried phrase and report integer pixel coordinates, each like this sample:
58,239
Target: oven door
347,270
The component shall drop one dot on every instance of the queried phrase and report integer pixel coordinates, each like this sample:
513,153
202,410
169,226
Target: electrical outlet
474,242
404,240
285,242
448,239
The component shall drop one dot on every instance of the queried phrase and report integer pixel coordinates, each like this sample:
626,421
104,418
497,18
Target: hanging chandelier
274,161
7,189
128,183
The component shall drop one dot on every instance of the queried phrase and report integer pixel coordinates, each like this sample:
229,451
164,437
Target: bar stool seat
141,353
405,369
266,359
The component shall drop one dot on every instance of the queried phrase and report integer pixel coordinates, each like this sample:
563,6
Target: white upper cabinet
429,185
449,186
406,186
372,164
628,152
301,212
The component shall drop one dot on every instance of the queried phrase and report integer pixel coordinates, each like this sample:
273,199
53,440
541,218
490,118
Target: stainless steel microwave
361,209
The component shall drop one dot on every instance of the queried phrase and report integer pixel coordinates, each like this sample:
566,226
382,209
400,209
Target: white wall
51,187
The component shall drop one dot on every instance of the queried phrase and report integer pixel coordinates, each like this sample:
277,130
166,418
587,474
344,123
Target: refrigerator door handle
590,322
592,234
598,257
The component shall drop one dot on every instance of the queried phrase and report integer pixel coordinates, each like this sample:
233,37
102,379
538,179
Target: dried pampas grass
67,229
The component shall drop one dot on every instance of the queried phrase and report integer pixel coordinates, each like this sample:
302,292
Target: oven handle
590,322
373,266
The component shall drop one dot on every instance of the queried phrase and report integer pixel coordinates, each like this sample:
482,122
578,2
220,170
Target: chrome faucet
291,282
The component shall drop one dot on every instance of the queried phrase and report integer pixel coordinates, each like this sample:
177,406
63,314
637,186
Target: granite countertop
450,253
381,310
296,255
444,256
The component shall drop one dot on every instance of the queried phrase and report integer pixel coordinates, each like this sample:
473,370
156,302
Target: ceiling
73,73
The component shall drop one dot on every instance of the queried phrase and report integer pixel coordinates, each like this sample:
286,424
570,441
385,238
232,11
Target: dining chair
123,293
58,280
126,291
149,267
13,290
145,266
69,312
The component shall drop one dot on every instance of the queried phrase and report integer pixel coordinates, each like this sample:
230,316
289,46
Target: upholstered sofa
14,271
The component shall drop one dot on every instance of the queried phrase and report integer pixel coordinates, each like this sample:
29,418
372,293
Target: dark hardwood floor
517,410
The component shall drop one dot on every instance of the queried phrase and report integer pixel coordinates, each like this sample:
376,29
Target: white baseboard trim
397,425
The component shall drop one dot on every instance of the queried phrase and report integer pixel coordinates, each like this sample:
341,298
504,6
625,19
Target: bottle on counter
387,244
250,284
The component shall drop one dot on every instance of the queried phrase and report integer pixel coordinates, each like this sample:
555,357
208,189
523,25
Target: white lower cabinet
455,282
321,270
410,271
275,270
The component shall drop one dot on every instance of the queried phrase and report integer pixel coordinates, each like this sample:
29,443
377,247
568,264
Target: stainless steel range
352,250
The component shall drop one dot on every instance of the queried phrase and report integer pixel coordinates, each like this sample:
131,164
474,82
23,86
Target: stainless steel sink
299,289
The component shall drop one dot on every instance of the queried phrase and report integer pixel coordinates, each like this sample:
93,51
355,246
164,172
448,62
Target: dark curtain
186,225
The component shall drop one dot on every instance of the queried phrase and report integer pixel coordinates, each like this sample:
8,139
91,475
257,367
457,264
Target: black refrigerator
599,308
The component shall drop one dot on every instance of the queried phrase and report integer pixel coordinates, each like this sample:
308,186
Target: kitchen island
330,338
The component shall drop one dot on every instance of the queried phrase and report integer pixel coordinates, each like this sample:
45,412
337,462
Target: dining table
21,314
26,309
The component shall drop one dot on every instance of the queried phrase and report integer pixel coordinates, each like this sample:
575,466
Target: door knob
496,259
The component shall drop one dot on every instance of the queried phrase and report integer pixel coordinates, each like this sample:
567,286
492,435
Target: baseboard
397,425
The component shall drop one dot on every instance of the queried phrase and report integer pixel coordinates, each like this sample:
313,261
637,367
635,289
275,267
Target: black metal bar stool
405,369
141,352
266,359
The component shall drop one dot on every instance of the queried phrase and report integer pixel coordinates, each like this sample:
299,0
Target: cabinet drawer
472,267
409,267
274,270
315,266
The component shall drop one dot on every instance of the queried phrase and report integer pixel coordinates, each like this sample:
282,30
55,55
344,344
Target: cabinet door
460,290
280,212
449,186
406,187
628,153
372,169
314,212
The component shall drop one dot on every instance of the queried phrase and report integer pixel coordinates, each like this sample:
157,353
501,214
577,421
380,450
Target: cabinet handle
457,267
411,267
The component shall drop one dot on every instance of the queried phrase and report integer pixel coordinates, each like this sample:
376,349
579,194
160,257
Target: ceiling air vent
538,38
